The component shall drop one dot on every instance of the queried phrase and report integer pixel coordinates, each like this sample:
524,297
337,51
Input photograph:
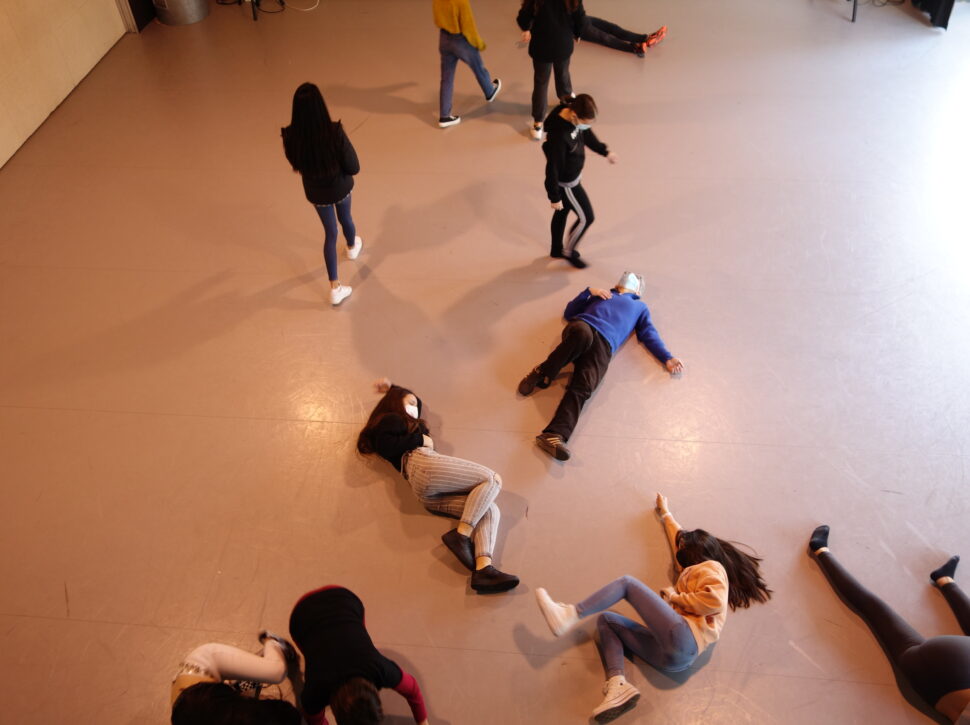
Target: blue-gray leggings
666,642
329,214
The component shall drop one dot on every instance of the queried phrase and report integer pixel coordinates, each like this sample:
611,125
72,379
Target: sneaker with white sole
560,617
354,251
620,697
536,131
497,82
339,294
446,121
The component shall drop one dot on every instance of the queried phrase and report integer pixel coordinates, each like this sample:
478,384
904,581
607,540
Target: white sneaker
354,251
536,131
339,294
621,697
560,617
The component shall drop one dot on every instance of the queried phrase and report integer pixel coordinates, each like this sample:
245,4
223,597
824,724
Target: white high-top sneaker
560,617
339,294
620,697
354,251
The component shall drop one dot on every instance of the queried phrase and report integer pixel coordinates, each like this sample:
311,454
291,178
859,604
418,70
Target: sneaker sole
556,452
450,123
614,712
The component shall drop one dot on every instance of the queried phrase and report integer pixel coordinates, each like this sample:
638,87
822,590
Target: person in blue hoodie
599,321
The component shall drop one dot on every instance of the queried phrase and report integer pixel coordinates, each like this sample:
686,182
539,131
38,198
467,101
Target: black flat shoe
490,580
461,547
533,380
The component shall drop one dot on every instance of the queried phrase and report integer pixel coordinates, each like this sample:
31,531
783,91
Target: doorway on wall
136,13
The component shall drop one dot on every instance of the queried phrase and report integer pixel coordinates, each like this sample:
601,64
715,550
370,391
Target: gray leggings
458,489
666,642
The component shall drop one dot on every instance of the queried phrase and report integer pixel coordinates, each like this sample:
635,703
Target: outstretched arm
671,527
409,689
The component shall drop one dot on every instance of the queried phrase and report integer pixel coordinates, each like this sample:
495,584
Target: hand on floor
674,366
382,385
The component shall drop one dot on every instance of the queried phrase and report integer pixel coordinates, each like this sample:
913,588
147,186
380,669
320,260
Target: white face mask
412,410
632,282
583,126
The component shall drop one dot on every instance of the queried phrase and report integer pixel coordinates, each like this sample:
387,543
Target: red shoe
655,38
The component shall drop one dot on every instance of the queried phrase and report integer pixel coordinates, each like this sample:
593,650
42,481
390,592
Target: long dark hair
391,404
571,5
745,584
356,702
312,140
215,703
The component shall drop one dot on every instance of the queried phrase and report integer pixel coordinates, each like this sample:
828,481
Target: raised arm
671,527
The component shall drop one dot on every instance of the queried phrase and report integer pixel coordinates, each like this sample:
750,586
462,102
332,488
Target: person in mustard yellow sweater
679,622
459,40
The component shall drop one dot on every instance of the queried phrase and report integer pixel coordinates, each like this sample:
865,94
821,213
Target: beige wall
46,49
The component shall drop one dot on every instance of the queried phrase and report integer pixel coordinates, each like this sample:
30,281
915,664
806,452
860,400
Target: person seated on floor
598,322
445,485
938,668
679,622
603,32
199,694
344,670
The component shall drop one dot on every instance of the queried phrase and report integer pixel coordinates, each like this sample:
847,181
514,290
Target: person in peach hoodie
679,622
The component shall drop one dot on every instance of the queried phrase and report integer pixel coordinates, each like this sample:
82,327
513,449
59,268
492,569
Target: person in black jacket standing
445,485
567,134
320,151
551,28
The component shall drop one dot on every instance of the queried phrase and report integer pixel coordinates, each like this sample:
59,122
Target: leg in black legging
564,84
611,35
960,604
892,630
540,89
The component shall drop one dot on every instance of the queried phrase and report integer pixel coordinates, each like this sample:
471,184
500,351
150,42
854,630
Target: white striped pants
458,489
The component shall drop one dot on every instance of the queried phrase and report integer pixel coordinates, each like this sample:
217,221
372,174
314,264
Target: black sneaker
446,121
535,379
497,82
489,580
575,260
553,445
461,547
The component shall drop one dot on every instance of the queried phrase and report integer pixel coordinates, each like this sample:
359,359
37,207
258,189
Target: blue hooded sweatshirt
616,318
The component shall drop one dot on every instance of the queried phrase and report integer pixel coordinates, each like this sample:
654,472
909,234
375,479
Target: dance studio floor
179,402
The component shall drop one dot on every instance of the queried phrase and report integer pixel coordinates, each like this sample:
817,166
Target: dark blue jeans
329,215
454,47
666,642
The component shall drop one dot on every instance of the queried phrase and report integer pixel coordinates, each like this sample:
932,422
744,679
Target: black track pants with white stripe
573,200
